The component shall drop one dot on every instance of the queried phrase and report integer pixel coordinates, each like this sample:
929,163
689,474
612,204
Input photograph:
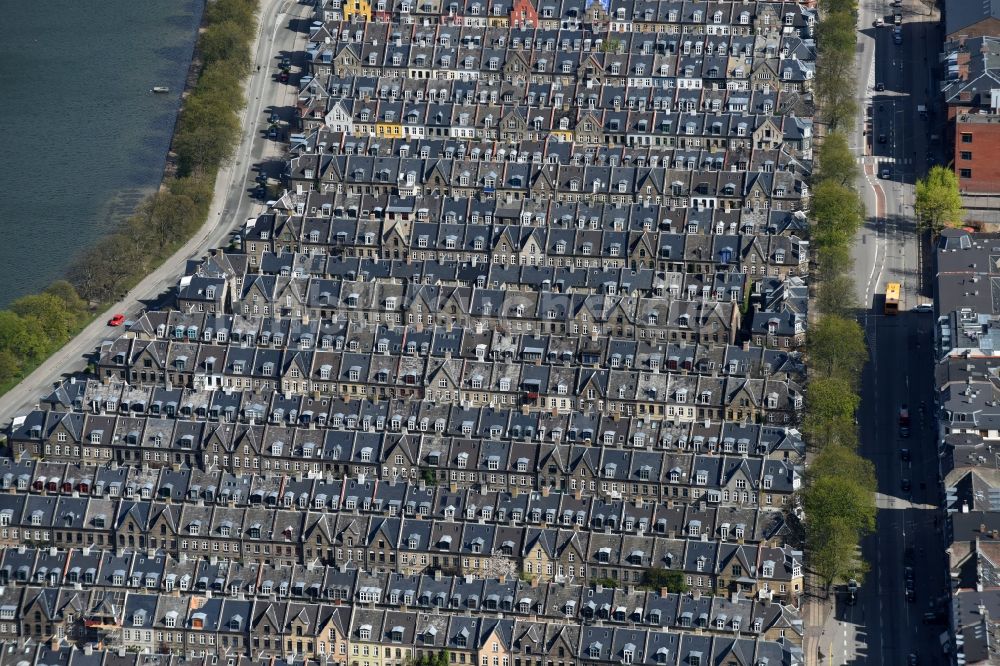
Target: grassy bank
839,491
207,132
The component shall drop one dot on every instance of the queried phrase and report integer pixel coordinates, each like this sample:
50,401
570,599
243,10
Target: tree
938,201
20,339
840,509
428,476
838,213
832,260
832,547
240,11
172,216
218,81
836,295
837,347
837,496
225,40
840,111
199,190
655,578
836,161
206,135
10,366
836,32
836,459
47,314
831,6
102,271
830,405
65,292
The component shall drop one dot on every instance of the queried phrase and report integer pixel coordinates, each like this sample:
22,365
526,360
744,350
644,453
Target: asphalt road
282,29
883,627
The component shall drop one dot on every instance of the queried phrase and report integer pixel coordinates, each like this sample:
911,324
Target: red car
117,320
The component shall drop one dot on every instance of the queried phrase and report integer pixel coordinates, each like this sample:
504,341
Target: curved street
281,29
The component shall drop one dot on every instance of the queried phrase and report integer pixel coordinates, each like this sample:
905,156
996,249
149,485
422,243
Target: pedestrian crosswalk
885,160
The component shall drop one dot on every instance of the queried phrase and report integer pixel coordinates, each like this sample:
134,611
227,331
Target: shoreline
190,80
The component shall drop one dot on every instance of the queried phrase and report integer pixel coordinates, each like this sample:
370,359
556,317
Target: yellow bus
892,298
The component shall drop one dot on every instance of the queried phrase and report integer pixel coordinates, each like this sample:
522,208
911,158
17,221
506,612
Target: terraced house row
394,497
135,621
508,374
50,578
632,458
549,236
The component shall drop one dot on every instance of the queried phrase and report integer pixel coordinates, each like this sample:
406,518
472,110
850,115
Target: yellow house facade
357,10
389,130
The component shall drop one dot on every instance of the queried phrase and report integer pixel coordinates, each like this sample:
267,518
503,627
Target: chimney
545,491
696,595
663,592
534,581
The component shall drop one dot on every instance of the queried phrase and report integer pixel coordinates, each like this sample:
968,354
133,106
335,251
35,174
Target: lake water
82,138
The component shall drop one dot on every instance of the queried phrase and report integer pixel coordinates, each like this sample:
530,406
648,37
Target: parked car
116,320
933,617
924,307
905,485
904,455
885,173
879,87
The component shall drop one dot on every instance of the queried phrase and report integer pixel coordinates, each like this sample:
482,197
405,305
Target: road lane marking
879,193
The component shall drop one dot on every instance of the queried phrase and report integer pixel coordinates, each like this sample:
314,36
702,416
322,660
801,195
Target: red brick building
964,19
523,14
977,152
972,101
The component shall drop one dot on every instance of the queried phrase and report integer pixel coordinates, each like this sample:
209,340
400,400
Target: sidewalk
815,611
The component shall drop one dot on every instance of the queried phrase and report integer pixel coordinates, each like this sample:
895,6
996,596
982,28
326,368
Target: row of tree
835,70
206,135
839,491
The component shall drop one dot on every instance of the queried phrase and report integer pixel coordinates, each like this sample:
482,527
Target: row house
556,549
284,589
733,496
